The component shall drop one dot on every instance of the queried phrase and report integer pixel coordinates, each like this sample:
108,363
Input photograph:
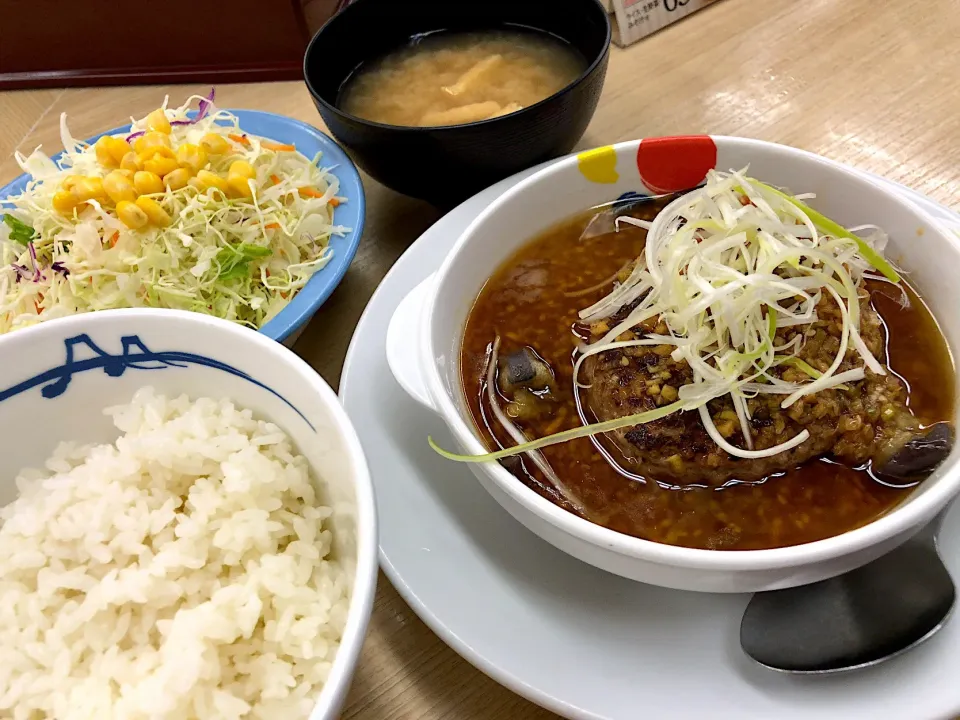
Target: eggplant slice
920,455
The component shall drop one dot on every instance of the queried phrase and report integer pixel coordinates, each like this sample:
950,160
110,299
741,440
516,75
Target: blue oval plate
309,141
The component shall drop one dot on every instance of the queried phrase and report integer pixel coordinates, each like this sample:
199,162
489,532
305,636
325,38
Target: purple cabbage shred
25,273
37,275
205,105
202,111
22,272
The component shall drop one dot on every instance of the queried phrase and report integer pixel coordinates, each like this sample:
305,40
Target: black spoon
605,221
858,619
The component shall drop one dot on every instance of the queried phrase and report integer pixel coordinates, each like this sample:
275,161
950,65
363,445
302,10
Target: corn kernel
155,139
214,144
128,174
208,180
243,169
64,202
160,165
239,185
118,147
89,188
104,156
70,181
118,187
193,157
147,182
151,208
193,182
150,140
178,179
130,162
157,121
155,151
131,215
111,150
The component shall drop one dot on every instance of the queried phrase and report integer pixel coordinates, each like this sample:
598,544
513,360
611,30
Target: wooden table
872,84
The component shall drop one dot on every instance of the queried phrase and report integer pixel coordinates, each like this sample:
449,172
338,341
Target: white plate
574,639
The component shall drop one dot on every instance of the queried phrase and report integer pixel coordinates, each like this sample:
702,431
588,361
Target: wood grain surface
872,84
50,43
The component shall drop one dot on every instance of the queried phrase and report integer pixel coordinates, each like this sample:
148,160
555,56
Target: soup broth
532,301
455,78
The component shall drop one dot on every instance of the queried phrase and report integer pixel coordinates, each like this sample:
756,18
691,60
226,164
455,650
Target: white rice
182,572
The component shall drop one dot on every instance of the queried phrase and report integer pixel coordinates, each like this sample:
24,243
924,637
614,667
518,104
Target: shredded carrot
272,226
36,304
113,238
334,202
242,139
277,147
275,179
310,192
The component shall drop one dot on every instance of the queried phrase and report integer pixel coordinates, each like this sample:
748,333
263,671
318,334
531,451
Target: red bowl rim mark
674,164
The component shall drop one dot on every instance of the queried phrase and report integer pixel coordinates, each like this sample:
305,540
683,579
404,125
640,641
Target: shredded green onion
833,228
724,268
804,366
560,437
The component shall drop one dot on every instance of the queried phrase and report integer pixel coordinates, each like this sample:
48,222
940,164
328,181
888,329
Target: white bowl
57,377
424,338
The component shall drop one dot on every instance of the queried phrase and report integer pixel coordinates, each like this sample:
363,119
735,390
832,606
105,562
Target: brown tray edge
157,76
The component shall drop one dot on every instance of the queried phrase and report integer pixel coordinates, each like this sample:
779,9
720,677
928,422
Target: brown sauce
528,302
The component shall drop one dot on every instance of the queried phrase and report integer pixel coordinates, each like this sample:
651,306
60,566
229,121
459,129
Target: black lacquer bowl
449,163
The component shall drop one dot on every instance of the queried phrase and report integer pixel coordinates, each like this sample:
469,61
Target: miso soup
456,78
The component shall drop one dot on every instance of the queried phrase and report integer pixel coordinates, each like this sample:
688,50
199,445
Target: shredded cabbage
242,259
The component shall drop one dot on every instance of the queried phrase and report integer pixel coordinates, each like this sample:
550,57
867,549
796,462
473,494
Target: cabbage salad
180,212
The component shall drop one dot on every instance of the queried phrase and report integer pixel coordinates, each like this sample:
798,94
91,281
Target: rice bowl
184,572
218,559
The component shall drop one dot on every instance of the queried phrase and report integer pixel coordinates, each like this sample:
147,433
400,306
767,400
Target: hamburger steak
864,421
